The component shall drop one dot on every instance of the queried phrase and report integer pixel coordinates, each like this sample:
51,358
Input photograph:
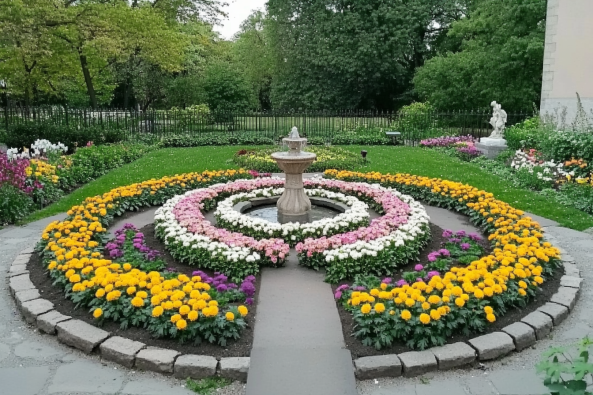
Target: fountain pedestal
294,205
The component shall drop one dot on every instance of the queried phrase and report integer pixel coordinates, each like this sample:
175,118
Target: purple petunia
447,233
465,246
418,267
338,295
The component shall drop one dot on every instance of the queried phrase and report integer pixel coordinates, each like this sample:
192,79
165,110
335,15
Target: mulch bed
549,288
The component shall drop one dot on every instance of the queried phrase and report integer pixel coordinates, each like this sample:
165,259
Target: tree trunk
127,94
87,78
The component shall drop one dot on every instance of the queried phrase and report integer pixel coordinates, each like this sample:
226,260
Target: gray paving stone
19,273
25,296
17,268
20,283
440,387
570,269
21,260
195,366
392,389
235,368
26,251
523,335
4,351
156,359
514,382
453,355
23,380
85,376
416,363
33,308
377,366
540,322
492,345
571,281
79,334
47,322
557,312
480,386
153,387
564,257
120,350
36,350
565,296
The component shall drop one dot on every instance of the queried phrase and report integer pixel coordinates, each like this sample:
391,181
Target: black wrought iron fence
321,124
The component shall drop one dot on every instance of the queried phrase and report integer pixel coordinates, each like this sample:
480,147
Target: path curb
123,351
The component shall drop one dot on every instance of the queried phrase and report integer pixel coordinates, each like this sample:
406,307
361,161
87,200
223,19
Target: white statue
294,133
498,121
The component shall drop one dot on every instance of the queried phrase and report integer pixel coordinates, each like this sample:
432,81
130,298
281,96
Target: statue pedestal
491,147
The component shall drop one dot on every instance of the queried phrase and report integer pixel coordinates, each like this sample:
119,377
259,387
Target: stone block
523,335
195,367
570,269
492,345
566,257
557,312
378,366
33,308
79,334
571,281
17,268
21,260
47,322
540,322
234,368
416,363
454,355
27,251
120,350
20,283
156,359
25,296
566,297
19,273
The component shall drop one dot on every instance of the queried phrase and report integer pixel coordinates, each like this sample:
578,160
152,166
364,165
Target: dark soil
238,348
549,288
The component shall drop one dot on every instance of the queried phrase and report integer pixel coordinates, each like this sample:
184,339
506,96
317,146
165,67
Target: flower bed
464,299
327,158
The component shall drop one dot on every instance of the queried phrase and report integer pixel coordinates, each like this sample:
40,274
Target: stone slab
156,359
565,296
377,366
21,260
120,350
20,283
440,387
523,335
235,368
540,322
195,367
570,269
492,345
33,308
80,335
17,268
154,386
557,312
297,371
454,355
28,251
518,382
541,220
25,296
571,281
85,376
23,380
416,363
47,322
36,350
566,258
14,274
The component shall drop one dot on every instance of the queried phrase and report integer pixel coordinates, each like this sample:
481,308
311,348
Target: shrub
14,204
563,146
216,139
25,134
530,133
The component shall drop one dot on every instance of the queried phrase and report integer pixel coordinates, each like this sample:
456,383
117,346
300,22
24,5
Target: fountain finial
294,133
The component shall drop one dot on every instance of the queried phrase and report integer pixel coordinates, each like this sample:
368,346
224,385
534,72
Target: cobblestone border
515,337
88,338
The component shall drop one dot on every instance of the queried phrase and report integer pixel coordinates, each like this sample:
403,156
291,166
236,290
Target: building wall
568,59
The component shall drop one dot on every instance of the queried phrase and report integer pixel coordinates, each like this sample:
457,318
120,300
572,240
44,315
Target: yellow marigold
488,310
434,299
184,310
131,290
157,311
383,286
459,302
137,302
435,315
406,315
410,302
355,301
425,306
242,310
523,284
229,316
97,313
192,315
365,309
425,318
374,292
522,292
478,293
100,293
490,317
379,308
181,324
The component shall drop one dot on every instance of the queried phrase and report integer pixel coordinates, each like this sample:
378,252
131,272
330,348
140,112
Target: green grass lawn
411,160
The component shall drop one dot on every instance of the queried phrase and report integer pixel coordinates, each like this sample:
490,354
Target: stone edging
88,338
515,337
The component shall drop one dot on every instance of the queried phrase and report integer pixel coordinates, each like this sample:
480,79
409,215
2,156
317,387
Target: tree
500,58
226,89
353,53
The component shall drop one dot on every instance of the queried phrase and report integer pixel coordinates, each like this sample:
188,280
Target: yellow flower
100,293
488,310
157,311
435,315
181,324
459,302
193,315
365,309
97,313
230,316
490,317
137,302
175,318
424,318
406,315
379,308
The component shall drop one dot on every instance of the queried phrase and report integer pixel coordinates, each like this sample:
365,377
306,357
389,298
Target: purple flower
465,246
432,273
342,287
360,288
444,252
461,233
338,295
386,280
447,233
401,283
454,240
432,257
247,288
419,280
221,288
475,237
418,267
249,301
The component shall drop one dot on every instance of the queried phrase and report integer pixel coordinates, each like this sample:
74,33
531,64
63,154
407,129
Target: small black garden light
363,153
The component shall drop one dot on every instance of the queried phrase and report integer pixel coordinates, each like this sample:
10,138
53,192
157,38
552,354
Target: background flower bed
327,158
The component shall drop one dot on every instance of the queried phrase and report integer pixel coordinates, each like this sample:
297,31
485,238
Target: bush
563,146
220,138
530,133
14,204
23,135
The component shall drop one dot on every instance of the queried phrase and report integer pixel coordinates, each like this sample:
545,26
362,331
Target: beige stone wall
568,59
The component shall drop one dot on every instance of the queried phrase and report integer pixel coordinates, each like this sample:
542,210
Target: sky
238,11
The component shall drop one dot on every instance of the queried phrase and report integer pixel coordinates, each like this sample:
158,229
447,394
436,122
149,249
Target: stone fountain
294,205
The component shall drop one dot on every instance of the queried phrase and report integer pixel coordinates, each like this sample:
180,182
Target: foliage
563,146
530,133
327,158
567,371
14,204
216,139
572,194
207,386
226,89
501,47
129,246
25,134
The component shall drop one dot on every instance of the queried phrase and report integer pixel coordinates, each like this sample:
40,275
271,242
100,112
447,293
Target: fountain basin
266,209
